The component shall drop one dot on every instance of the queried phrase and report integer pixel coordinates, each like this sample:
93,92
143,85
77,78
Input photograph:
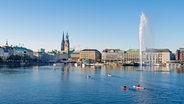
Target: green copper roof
133,50
21,48
181,49
120,51
76,52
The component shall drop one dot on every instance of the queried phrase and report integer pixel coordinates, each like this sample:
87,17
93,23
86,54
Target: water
142,36
68,84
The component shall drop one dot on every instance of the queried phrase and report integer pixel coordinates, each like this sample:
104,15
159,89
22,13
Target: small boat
124,87
58,64
83,65
130,64
88,76
76,64
138,87
109,75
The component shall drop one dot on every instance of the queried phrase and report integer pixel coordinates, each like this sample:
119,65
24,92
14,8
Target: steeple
6,42
67,44
67,37
62,43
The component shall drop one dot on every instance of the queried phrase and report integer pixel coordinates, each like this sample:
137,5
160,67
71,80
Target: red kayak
138,87
124,87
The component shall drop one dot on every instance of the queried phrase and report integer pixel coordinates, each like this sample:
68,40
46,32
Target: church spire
62,43
6,42
67,44
67,37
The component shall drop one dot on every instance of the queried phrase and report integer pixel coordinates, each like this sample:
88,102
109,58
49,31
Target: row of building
6,51
149,56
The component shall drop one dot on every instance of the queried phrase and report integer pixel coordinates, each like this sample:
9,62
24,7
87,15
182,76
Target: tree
14,58
1,59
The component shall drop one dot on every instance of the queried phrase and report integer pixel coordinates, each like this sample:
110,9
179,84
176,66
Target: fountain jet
142,33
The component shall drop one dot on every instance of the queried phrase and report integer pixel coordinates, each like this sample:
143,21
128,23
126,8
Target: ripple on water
50,85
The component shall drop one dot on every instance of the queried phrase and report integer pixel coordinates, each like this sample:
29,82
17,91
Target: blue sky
96,24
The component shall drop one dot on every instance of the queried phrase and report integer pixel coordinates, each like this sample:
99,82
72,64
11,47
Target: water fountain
142,34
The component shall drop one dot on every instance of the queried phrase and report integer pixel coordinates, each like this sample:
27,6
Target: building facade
110,55
180,54
1,52
75,56
8,50
90,54
22,51
156,56
131,55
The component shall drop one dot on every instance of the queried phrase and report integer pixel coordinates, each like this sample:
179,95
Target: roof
21,48
71,50
89,50
76,52
111,50
7,48
181,49
157,50
133,50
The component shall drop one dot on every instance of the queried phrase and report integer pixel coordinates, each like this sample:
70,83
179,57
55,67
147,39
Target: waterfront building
92,55
41,55
51,56
180,54
75,56
57,56
41,50
65,44
22,51
156,56
131,56
8,50
111,55
1,52
61,56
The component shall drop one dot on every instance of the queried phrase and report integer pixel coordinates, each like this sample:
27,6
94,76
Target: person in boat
138,87
88,76
124,87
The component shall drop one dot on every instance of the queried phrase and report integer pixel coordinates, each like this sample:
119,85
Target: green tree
14,58
1,59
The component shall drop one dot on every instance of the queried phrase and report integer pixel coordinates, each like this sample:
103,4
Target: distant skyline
98,24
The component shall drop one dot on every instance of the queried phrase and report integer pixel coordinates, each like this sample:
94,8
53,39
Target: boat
157,64
88,76
124,87
58,64
109,75
83,65
93,64
130,64
76,64
138,87
99,64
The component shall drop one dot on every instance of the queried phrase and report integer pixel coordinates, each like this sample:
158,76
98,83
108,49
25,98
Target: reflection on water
180,70
69,84
65,71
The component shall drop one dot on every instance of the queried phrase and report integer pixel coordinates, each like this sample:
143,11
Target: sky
91,24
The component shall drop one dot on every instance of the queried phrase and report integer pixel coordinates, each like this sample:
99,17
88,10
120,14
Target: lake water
90,85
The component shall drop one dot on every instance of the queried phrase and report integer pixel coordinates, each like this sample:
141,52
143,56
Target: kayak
138,87
124,88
